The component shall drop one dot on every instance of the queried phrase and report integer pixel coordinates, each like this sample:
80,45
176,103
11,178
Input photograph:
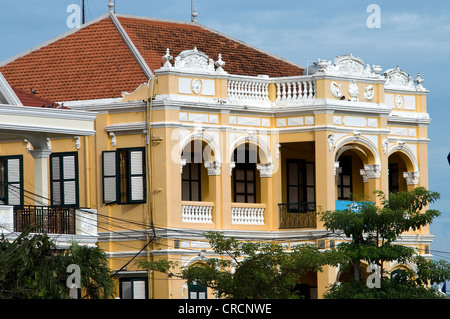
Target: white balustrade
196,213
248,89
256,89
247,215
295,89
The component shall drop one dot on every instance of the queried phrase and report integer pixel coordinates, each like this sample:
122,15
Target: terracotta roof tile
92,63
153,37
30,99
95,62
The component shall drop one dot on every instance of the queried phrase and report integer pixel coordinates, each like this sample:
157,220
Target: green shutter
64,179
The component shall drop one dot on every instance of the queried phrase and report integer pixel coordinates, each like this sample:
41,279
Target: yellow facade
346,130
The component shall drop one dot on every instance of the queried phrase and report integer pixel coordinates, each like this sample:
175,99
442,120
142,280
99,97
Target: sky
415,35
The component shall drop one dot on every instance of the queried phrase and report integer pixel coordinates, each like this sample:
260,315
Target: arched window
244,178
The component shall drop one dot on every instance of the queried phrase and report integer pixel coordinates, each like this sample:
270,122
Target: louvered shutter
136,175
56,180
109,176
14,178
64,179
69,180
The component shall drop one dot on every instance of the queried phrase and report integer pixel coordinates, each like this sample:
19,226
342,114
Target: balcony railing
257,90
247,214
298,215
45,219
197,212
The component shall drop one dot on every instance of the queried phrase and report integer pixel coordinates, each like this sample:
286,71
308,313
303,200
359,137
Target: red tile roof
94,62
152,38
30,99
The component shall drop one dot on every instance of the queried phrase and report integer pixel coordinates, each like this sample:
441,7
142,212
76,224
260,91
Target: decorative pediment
398,79
347,65
193,61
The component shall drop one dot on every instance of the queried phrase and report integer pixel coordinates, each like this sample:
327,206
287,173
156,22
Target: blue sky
414,35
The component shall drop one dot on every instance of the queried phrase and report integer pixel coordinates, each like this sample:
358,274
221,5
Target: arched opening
194,174
357,167
349,181
400,169
246,184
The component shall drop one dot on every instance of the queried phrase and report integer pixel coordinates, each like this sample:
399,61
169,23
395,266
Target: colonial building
197,131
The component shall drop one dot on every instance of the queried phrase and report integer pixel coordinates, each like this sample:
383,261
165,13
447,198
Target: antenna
82,12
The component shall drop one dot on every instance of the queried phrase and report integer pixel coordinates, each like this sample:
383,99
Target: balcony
247,214
49,220
197,212
265,91
297,215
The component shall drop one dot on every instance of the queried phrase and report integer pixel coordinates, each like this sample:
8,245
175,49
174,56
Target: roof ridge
137,55
48,42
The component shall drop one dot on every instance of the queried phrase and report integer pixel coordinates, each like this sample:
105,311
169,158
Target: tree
250,270
32,267
373,231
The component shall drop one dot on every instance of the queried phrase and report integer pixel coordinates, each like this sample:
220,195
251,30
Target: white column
41,176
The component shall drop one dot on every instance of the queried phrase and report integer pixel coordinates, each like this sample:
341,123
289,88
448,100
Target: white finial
167,58
111,6
194,14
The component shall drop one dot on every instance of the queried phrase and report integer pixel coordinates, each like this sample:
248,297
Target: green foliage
251,270
373,232
390,289
31,267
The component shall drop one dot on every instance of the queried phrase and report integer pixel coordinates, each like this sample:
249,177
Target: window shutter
109,177
310,183
14,181
64,179
136,177
69,176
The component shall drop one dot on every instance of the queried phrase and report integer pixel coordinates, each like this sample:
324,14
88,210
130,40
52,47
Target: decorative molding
182,164
353,91
232,165
337,169
370,171
77,142
385,145
265,170
336,89
330,141
346,65
213,167
369,92
113,138
399,101
398,79
412,178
